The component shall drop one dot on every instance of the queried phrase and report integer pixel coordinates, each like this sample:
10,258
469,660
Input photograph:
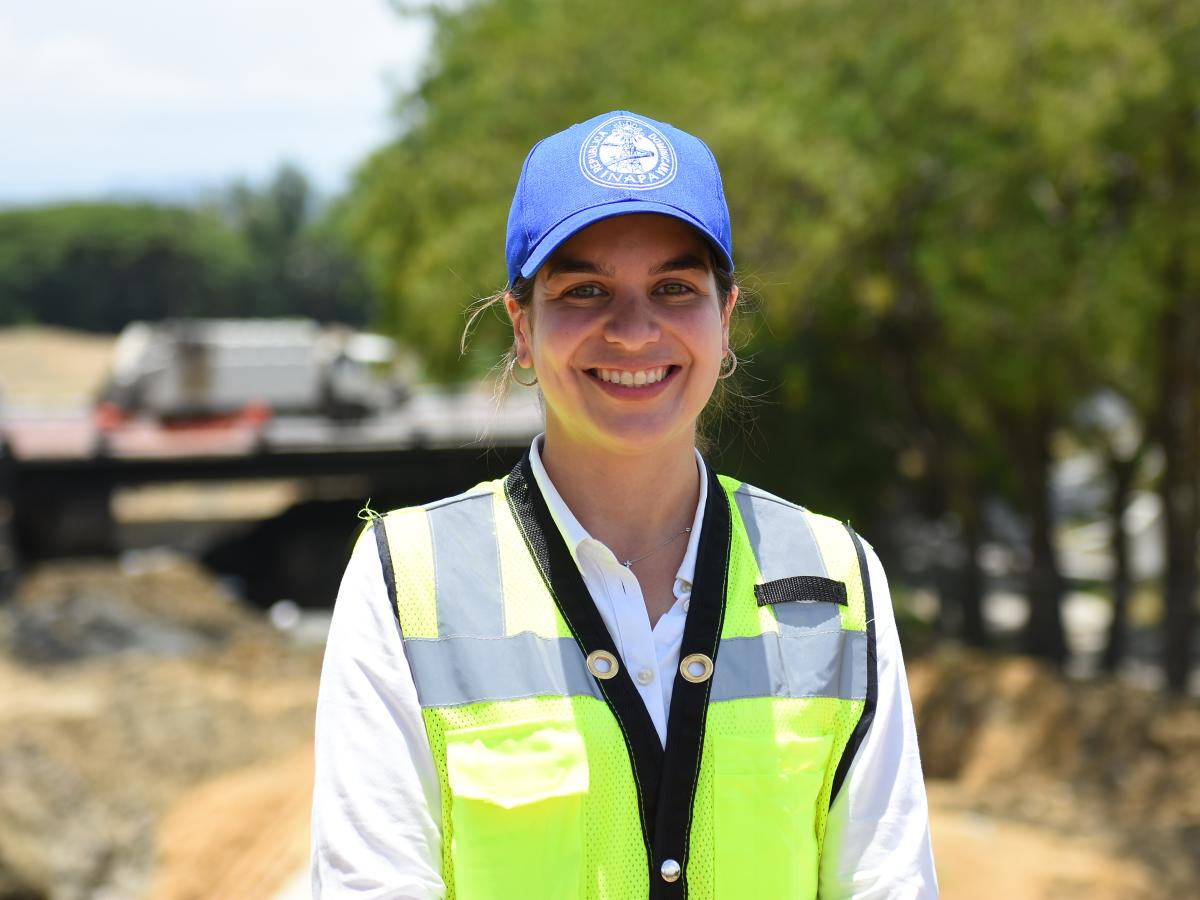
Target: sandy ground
261,842
52,367
984,857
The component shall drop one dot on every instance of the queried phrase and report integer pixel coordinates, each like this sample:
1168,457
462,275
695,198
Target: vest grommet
670,870
602,664
696,668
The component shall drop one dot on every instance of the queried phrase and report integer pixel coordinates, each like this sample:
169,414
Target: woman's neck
630,503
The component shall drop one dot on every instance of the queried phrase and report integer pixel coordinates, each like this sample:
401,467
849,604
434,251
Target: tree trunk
1178,485
1043,636
970,581
1122,579
1178,420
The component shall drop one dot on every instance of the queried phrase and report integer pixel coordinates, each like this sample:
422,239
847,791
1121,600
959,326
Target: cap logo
627,154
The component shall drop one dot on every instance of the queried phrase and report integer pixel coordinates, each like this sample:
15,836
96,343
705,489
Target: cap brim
585,217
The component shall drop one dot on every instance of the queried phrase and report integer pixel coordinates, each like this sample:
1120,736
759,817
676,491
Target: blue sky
160,98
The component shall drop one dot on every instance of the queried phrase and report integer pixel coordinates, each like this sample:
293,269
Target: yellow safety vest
553,781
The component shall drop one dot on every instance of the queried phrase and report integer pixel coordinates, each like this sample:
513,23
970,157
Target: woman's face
626,332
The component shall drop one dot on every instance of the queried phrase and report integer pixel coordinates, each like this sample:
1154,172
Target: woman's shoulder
399,521
737,487
747,495
483,489
761,509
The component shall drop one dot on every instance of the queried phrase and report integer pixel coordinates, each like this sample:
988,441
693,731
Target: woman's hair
725,396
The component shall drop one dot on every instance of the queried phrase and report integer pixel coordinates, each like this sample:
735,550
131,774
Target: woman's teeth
632,379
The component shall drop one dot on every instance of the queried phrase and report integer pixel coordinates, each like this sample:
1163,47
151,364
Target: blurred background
237,242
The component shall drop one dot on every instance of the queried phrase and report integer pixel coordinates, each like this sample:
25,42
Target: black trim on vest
574,602
689,700
801,589
389,574
665,781
868,713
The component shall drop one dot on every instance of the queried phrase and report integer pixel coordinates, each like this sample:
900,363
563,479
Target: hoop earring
513,374
730,355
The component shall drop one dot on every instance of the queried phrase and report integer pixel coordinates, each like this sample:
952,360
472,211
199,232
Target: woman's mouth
633,378
629,382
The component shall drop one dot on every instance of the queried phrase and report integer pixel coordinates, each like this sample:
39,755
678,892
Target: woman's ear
522,332
726,312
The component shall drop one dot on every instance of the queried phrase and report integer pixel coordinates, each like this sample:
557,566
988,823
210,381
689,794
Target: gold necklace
629,562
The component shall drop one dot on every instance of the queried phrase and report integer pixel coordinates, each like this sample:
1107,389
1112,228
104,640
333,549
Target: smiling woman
614,673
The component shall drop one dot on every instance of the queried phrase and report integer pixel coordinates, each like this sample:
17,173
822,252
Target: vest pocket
516,794
765,815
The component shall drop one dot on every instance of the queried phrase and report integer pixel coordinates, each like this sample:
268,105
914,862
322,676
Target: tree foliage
302,265
98,266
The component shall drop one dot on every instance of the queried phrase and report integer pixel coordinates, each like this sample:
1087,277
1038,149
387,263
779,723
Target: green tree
98,266
301,264
1159,198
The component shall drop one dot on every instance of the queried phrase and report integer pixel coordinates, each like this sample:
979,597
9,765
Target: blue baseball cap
612,165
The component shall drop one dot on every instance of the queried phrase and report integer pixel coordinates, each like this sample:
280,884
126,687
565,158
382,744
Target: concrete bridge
58,472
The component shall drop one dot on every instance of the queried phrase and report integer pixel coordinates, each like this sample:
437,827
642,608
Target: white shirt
376,821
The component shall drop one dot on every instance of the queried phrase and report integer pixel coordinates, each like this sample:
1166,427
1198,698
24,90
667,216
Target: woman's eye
584,292
675,289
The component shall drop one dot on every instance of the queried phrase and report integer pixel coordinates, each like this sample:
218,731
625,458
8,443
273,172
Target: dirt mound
1103,760
262,839
155,603
119,690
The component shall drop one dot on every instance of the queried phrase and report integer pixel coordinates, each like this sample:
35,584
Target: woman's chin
628,435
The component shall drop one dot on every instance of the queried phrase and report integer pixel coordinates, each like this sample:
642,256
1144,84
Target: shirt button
645,676
670,870
687,601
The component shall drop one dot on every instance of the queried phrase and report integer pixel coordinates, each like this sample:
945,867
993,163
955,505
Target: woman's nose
631,322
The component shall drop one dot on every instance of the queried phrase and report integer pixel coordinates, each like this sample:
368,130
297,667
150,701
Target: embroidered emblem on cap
628,154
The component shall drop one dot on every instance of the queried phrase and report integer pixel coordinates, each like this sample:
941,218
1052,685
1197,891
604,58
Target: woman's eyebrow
569,266
680,263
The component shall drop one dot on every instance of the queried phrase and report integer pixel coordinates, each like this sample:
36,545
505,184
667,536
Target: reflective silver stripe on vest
779,533
459,670
784,544
466,566
805,617
817,664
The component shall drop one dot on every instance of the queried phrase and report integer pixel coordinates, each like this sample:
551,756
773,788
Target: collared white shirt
651,656
376,829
